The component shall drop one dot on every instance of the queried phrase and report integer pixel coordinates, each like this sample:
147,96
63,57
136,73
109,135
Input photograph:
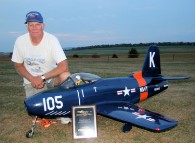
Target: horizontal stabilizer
171,78
135,115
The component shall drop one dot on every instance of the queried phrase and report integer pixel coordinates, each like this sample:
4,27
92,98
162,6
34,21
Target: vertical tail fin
151,65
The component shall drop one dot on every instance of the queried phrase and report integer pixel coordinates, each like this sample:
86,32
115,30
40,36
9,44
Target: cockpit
79,79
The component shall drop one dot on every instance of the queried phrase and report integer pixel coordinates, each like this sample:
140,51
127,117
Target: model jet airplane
113,97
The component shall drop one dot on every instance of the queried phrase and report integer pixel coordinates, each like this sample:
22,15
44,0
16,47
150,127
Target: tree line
137,45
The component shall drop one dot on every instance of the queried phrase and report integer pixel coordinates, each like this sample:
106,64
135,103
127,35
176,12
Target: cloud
15,33
88,33
98,37
72,37
102,32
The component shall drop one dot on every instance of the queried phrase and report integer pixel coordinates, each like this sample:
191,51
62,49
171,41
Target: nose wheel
30,133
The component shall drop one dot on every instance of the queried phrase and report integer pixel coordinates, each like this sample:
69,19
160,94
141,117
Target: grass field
176,102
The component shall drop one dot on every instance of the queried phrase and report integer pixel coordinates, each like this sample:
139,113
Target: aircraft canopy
79,79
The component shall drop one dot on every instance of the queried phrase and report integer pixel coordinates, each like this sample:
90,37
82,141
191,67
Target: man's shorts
30,91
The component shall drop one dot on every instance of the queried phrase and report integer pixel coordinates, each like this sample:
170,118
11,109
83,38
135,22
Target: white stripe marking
83,93
79,97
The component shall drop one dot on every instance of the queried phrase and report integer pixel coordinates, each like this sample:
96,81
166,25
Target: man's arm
36,81
61,72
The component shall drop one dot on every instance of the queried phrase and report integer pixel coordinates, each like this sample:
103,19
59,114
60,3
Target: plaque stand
84,121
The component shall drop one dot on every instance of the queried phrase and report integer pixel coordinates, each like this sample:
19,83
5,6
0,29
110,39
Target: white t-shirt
39,59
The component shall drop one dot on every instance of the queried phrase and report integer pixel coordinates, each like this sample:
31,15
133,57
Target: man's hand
37,82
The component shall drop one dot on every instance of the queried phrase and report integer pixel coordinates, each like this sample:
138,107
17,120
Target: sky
79,23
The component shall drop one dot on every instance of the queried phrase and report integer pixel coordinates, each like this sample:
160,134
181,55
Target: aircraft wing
135,115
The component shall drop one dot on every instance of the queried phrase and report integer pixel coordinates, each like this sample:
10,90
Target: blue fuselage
58,102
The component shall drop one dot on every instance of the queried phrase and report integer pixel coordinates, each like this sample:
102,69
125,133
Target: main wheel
127,127
29,134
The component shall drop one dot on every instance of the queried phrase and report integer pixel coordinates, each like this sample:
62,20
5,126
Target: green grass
176,102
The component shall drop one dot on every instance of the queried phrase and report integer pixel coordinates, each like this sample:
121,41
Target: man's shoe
65,120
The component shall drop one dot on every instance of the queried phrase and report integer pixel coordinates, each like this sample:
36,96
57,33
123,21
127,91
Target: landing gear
127,127
30,133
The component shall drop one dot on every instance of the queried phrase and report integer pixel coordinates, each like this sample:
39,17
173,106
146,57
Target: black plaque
84,122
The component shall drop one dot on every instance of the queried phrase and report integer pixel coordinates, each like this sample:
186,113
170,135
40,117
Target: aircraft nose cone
34,105
26,106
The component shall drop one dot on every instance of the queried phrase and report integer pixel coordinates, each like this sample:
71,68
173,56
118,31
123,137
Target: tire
29,134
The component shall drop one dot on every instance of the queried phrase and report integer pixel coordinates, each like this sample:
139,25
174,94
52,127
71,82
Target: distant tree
75,56
114,56
135,45
95,56
10,54
133,53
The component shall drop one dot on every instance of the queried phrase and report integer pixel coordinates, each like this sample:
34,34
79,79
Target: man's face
35,29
